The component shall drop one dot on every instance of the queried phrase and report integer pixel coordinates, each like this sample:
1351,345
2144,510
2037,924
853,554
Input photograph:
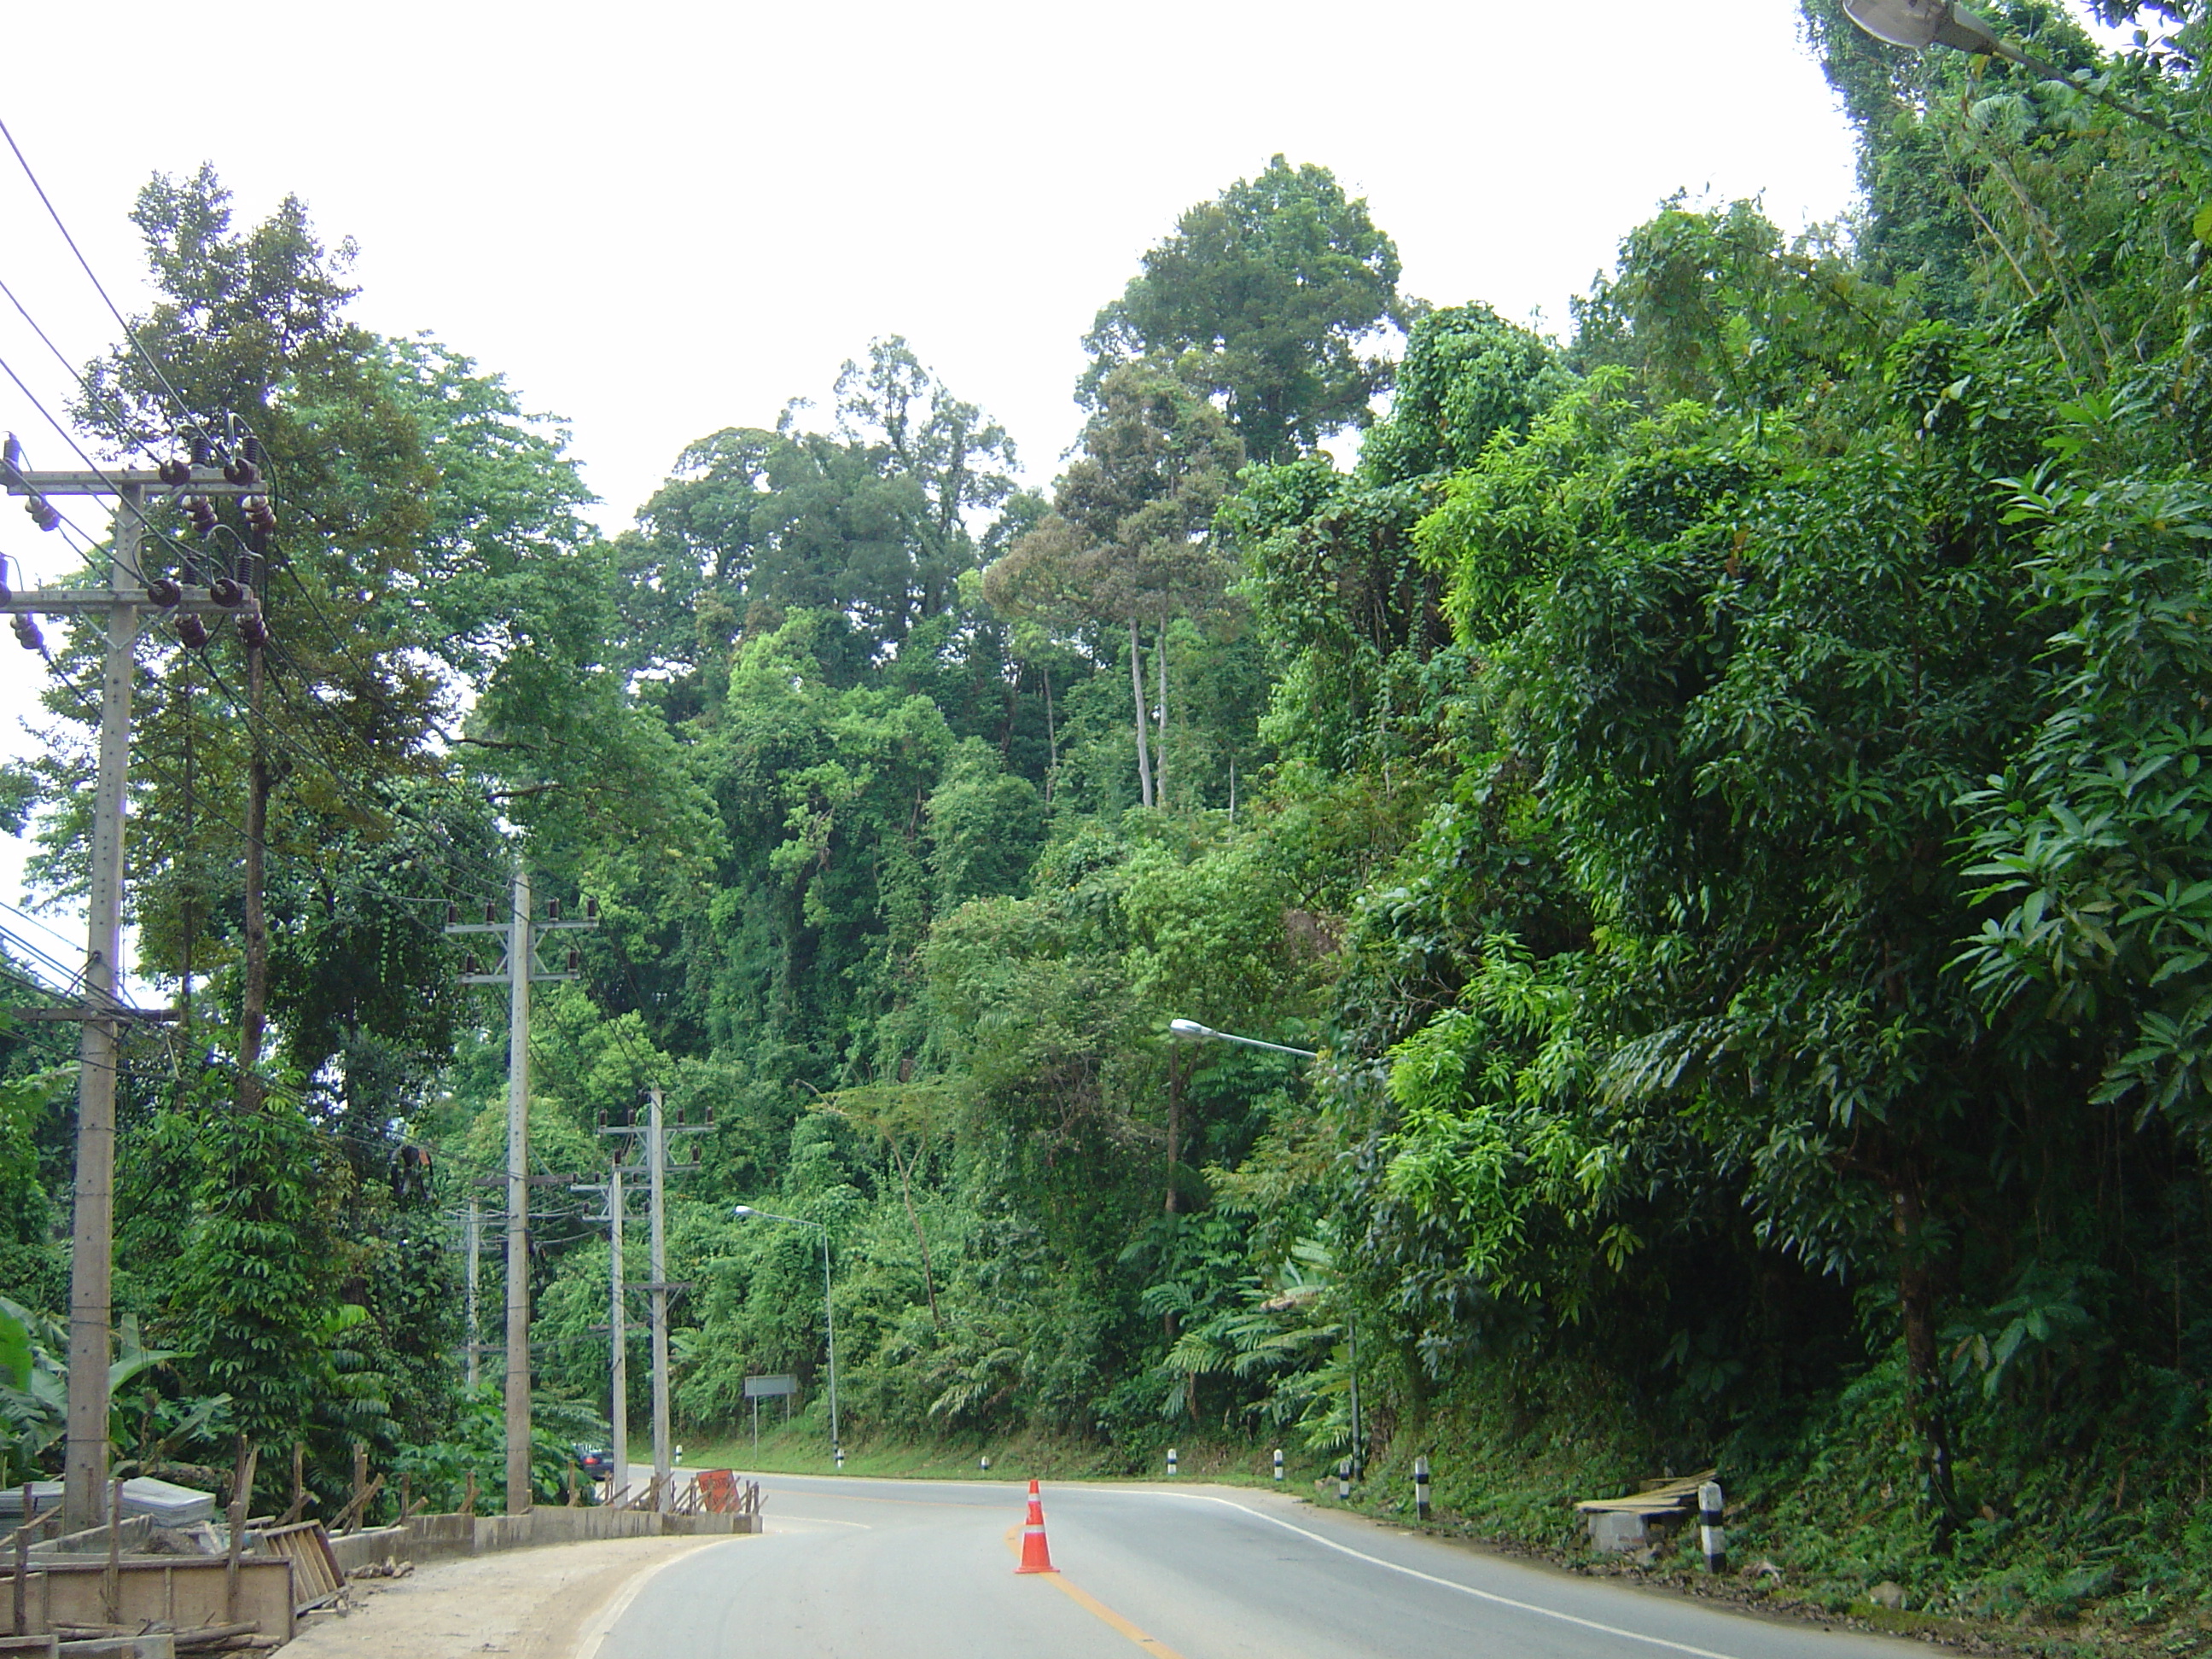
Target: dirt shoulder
535,1603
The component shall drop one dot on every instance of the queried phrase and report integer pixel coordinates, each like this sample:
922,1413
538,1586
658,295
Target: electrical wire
23,311
184,408
124,498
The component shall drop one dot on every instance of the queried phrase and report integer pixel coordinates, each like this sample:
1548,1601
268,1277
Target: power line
23,311
184,408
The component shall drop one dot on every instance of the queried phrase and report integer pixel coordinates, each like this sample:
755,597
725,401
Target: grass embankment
2056,1554
2046,1553
802,1448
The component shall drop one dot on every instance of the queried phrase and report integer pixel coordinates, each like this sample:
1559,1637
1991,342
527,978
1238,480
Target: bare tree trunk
1160,736
1144,719
253,1005
1916,1302
905,1191
1174,1204
1051,737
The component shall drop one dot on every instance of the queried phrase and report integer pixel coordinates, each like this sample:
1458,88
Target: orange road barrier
1035,1558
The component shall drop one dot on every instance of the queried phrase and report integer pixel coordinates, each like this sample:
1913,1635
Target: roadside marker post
1279,1463
1421,1486
1711,1533
984,1462
1344,1480
1171,1461
840,1460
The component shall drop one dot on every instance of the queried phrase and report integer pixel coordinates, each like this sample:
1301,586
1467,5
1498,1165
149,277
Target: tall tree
874,521
1129,539
1273,297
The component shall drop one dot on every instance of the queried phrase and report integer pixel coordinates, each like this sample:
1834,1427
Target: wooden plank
316,1576
1661,1496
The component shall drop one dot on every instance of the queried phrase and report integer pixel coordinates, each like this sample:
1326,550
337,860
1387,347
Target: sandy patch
533,1603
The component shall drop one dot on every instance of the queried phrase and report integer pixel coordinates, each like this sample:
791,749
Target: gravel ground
537,1604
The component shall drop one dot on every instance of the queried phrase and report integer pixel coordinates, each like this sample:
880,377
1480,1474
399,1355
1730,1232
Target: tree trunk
1160,752
1144,719
1051,737
1174,1203
1916,1304
253,1005
905,1191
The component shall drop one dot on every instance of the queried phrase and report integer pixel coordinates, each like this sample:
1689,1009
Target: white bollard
984,1462
1171,1459
1278,1462
1421,1486
841,1457
1344,1480
1710,1534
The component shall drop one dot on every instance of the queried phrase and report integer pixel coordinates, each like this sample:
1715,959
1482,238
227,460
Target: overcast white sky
664,218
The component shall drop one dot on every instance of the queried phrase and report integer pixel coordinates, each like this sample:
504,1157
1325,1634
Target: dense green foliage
1725,796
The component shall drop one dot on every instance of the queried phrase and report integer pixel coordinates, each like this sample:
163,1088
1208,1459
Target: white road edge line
602,1626
1447,1583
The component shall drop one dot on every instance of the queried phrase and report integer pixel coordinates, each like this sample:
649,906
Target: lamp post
829,1316
1190,1030
1916,25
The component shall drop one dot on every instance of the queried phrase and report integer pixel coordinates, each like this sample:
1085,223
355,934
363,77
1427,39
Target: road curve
854,1569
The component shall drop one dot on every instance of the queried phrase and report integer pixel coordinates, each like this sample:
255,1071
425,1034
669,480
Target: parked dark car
596,1461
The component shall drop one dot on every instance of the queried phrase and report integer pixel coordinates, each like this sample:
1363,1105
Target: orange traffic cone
1035,1558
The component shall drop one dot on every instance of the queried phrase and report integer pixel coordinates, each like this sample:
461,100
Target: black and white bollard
1171,1459
841,1457
984,1462
1278,1462
1344,1480
1710,1534
1421,1486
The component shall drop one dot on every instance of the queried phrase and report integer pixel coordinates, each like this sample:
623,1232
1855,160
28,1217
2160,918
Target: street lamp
1191,1031
828,1318
1916,25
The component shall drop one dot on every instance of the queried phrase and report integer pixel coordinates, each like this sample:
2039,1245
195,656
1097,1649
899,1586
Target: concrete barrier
370,1548
440,1537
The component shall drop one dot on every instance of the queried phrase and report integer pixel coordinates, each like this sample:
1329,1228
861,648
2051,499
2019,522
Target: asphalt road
924,1570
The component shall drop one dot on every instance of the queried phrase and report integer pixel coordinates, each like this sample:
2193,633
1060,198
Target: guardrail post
1278,1462
1711,1533
1421,1486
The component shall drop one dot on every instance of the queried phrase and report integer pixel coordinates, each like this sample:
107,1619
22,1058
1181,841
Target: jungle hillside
1712,804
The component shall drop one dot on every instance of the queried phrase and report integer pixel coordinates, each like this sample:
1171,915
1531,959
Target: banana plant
34,1393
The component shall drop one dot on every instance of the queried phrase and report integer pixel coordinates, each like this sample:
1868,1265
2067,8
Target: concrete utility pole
476,1267
658,1169
656,1142
517,972
519,961
618,1381
617,1328
124,602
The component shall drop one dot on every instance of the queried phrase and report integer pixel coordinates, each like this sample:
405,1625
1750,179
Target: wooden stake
111,1585
241,1495
21,1626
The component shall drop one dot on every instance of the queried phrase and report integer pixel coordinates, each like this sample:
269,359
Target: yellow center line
1097,1609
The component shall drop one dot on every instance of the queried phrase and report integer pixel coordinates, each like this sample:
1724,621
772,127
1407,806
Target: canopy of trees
1724,794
